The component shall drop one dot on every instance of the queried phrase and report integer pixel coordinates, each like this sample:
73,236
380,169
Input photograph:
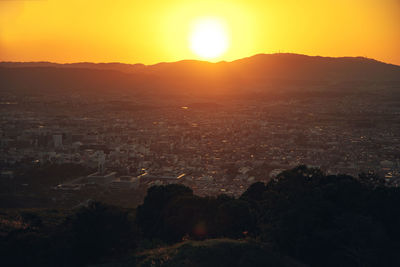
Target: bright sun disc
209,38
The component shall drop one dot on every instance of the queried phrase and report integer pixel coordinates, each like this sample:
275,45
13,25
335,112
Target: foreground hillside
209,253
302,218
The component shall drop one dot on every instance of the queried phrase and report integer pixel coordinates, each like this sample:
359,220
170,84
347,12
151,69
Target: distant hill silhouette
259,73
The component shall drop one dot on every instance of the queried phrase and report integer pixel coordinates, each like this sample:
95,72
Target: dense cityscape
127,145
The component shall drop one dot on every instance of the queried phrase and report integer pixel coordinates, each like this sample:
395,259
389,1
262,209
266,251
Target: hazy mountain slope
129,68
260,72
59,80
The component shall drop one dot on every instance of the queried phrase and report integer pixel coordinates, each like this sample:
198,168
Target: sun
209,38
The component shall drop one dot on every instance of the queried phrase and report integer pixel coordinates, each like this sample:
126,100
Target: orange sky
150,31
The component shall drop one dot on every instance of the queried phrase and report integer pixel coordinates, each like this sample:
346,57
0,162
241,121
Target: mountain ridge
82,63
259,73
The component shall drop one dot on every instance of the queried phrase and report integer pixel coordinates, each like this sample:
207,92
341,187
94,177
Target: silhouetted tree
150,215
97,232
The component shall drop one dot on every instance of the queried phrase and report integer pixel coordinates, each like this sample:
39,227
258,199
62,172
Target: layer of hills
258,73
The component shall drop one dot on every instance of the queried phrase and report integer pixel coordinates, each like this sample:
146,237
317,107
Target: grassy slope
209,253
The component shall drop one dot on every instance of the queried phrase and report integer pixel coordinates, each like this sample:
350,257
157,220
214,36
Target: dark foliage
92,234
150,215
321,220
172,212
313,218
328,220
99,232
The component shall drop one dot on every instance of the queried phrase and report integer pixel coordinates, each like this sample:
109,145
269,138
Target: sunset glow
154,31
209,38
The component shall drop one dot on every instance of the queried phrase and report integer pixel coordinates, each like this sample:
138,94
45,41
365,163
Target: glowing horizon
158,31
